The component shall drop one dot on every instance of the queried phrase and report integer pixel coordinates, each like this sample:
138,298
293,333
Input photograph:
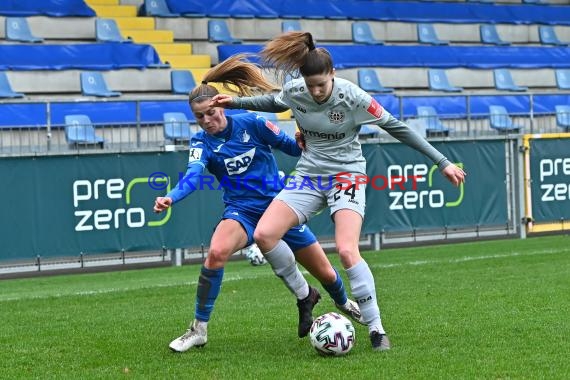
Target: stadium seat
362,34
369,131
501,121
433,126
563,117
271,116
182,81
218,31
79,130
548,36
368,80
563,79
437,79
176,127
17,29
504,81
106,30
489,35
93,84
6,89
157,8
290,26
427,35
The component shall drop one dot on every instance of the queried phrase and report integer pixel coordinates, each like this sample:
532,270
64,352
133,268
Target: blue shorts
296,238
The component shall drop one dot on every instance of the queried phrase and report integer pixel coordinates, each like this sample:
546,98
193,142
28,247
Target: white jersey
331,129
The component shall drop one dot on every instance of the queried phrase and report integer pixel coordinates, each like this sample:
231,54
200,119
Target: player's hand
300,138
161,204
221,100
454,174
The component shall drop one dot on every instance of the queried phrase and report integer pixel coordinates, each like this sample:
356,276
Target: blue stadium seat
271,116
218,31
368,80
489,35
437,79
548,36
182,81
106,30
501,121
290,26
433,126
427,35
176,127
17,29
362,34
157,8
563,117
369,131
5,88
93,84
79,130
563,79
504,81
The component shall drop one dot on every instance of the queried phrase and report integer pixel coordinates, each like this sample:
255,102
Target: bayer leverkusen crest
336,117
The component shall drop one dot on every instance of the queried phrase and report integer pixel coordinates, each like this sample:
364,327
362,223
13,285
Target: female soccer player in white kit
329,112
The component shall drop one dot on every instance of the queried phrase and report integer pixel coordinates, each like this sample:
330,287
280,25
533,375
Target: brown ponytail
234,71
294,51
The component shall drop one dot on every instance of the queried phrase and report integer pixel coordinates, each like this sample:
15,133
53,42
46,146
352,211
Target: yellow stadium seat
287,115
149,36
172,48
188,61
136,23
112,11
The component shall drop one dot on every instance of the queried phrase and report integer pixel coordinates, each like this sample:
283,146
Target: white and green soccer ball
332,334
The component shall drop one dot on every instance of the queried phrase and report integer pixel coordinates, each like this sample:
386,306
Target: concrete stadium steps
172,48
135,23
149,36
115,10
187,61
197,73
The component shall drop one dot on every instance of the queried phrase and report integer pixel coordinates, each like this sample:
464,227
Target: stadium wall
102,203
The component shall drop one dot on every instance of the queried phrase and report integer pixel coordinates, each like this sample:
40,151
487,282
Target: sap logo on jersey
239,164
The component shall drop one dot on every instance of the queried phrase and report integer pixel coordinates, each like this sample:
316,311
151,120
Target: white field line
239,277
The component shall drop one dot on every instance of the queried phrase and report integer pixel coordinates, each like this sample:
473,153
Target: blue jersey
241,159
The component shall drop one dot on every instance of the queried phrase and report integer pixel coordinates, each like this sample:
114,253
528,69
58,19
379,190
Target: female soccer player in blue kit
237,150
329,112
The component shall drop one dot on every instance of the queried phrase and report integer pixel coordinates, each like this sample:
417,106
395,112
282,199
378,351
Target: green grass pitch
488,310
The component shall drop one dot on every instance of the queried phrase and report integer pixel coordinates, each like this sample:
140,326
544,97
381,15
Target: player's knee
217,257
264,238
349,255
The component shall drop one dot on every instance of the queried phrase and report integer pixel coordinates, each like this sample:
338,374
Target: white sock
364,292
282,260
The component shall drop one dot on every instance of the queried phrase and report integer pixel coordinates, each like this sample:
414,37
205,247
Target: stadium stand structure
504,81
17,29
177,127
563,117
501,121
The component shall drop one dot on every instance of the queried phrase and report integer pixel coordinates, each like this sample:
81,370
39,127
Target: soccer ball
254,255
332,334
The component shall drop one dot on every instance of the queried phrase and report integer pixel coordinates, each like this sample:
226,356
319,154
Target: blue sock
209,285
336,290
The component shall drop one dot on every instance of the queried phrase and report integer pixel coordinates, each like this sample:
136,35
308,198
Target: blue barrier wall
407,11
473,57
56,8
107,56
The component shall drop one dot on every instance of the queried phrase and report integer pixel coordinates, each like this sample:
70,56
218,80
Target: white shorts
307,196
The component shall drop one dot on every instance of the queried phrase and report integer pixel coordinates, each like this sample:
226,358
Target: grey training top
331,129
